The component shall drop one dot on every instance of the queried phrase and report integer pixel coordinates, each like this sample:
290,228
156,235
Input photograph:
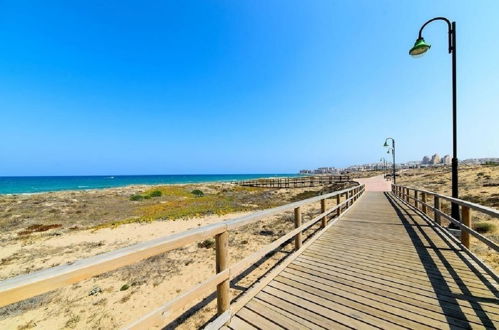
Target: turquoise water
35,184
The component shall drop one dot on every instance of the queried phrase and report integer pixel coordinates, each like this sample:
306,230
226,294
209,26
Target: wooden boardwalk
380,266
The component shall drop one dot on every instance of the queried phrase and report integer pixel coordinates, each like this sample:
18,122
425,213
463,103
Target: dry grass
95,209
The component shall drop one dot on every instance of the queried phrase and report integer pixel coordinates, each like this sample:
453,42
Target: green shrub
155,193
197,193
484,227
136,197
207,244
125,287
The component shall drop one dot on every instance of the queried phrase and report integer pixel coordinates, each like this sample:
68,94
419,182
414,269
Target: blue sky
159,87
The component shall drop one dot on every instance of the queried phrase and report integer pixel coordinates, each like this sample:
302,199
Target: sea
38,184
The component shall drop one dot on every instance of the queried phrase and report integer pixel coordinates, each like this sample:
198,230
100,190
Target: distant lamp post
419,48
392,149
383,161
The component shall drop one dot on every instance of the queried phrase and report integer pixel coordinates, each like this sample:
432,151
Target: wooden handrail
404,193
29,285
477,207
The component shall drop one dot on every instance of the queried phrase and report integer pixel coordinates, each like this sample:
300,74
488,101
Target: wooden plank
278,318
219,322
222,256
298,319
299,235
239,324
466,220
257,320
323,209
308,312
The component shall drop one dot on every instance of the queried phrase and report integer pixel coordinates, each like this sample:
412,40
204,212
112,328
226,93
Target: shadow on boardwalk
449,300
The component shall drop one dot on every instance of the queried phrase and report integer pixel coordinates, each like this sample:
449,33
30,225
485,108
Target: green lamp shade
386,144
420,47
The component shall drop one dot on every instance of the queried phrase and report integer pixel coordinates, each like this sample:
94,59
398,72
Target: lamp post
393,154
383,161
419,48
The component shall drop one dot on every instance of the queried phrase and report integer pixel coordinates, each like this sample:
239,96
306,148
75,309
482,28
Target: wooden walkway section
380,266
295,182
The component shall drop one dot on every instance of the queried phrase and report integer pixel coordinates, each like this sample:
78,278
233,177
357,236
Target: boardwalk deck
380,266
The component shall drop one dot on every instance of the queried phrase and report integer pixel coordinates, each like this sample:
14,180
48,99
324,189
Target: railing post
436,205
423,199
338,201
298,237
466,219
415,198
222,256
323,209
407,195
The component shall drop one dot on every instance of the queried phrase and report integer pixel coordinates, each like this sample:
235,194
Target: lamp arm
393,141
449,26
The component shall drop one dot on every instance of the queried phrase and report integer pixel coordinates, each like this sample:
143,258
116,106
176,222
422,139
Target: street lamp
383,161
393,154
419,48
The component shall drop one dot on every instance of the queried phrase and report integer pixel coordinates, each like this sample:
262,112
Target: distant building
476,161
321,170
446,160
325,170
435,159
426,160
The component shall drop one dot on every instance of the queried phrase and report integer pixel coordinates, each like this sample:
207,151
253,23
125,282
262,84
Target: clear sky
167,87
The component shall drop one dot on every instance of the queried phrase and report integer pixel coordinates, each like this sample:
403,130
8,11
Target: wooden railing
297,182
419,199
30,285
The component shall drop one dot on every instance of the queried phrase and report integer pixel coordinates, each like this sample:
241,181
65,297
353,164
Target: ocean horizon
39,184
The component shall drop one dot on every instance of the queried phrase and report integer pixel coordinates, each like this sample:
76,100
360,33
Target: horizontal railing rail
29,285
295,182
465,224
